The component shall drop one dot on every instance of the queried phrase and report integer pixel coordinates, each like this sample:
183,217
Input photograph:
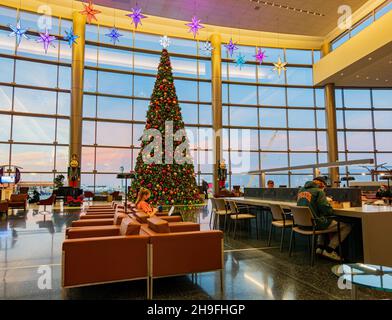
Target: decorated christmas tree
164,165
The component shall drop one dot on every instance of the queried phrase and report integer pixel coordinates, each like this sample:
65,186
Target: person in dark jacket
312,195
205,187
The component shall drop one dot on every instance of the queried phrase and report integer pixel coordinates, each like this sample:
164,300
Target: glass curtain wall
272,121
34,99
119,81
364,120
269,120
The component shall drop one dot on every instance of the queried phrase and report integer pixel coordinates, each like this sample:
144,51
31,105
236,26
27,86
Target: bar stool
303,218
278,220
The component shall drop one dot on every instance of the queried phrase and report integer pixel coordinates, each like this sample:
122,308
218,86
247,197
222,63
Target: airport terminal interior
201,149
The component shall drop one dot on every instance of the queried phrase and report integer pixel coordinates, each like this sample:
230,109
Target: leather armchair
18,201
178,253
97,260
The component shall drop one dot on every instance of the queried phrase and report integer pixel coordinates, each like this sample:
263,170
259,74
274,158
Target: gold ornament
280,66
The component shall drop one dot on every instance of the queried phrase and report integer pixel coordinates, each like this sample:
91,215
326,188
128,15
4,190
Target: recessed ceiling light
377,79
367,78
342,74
370,58
386,80
358,76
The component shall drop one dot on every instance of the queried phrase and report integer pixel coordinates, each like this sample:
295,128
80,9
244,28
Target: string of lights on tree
137,16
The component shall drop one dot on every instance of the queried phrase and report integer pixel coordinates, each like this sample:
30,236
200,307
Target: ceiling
242,13
374,70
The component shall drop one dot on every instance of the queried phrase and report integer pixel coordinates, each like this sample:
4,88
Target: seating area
195,150
94,251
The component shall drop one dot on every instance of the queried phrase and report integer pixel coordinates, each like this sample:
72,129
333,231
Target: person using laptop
142,204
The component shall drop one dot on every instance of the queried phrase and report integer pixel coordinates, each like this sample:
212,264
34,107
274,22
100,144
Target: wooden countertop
355,212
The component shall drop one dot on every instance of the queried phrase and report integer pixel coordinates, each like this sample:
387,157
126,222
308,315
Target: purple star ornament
231,47
194,26
260,56
46,39
136,16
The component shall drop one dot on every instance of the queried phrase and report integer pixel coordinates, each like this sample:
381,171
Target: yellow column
216,78
332,131
75,143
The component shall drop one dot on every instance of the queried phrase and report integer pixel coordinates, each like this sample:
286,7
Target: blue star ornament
114,35
18,32
70,37
240,60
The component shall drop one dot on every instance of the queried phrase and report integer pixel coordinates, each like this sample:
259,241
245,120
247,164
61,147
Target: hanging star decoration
18,32
90,11
207,48
136,16
240,60
260,56
231,47
46,39
70,37
194,26
280,66
165,42
114,35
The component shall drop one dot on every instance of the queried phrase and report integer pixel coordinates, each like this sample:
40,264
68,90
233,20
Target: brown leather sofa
172,249
179,253
108,258
18,201
100,221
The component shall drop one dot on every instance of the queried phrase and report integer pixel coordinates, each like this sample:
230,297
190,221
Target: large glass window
119,82
34,99
365,127
286,110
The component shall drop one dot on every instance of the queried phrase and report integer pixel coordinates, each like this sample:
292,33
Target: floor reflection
29,241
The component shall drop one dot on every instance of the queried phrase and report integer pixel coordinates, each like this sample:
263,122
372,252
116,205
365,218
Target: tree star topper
18,32
165,42
136,16
260,56
231,47
280,66
194,26
46,39
114,35
90,11
70,37
240,60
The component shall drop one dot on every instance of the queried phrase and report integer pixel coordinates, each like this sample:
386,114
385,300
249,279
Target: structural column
332,134
75,142
216,78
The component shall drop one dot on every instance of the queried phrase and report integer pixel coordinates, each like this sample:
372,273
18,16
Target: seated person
271,184
313,196
142,204
383,192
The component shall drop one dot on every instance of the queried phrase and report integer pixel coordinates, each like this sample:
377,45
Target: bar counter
376,224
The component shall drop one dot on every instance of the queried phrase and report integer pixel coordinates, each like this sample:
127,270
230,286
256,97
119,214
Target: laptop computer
171,211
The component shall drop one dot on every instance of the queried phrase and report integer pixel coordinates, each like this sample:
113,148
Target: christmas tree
164,165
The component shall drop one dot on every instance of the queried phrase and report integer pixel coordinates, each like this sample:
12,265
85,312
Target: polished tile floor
30,246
